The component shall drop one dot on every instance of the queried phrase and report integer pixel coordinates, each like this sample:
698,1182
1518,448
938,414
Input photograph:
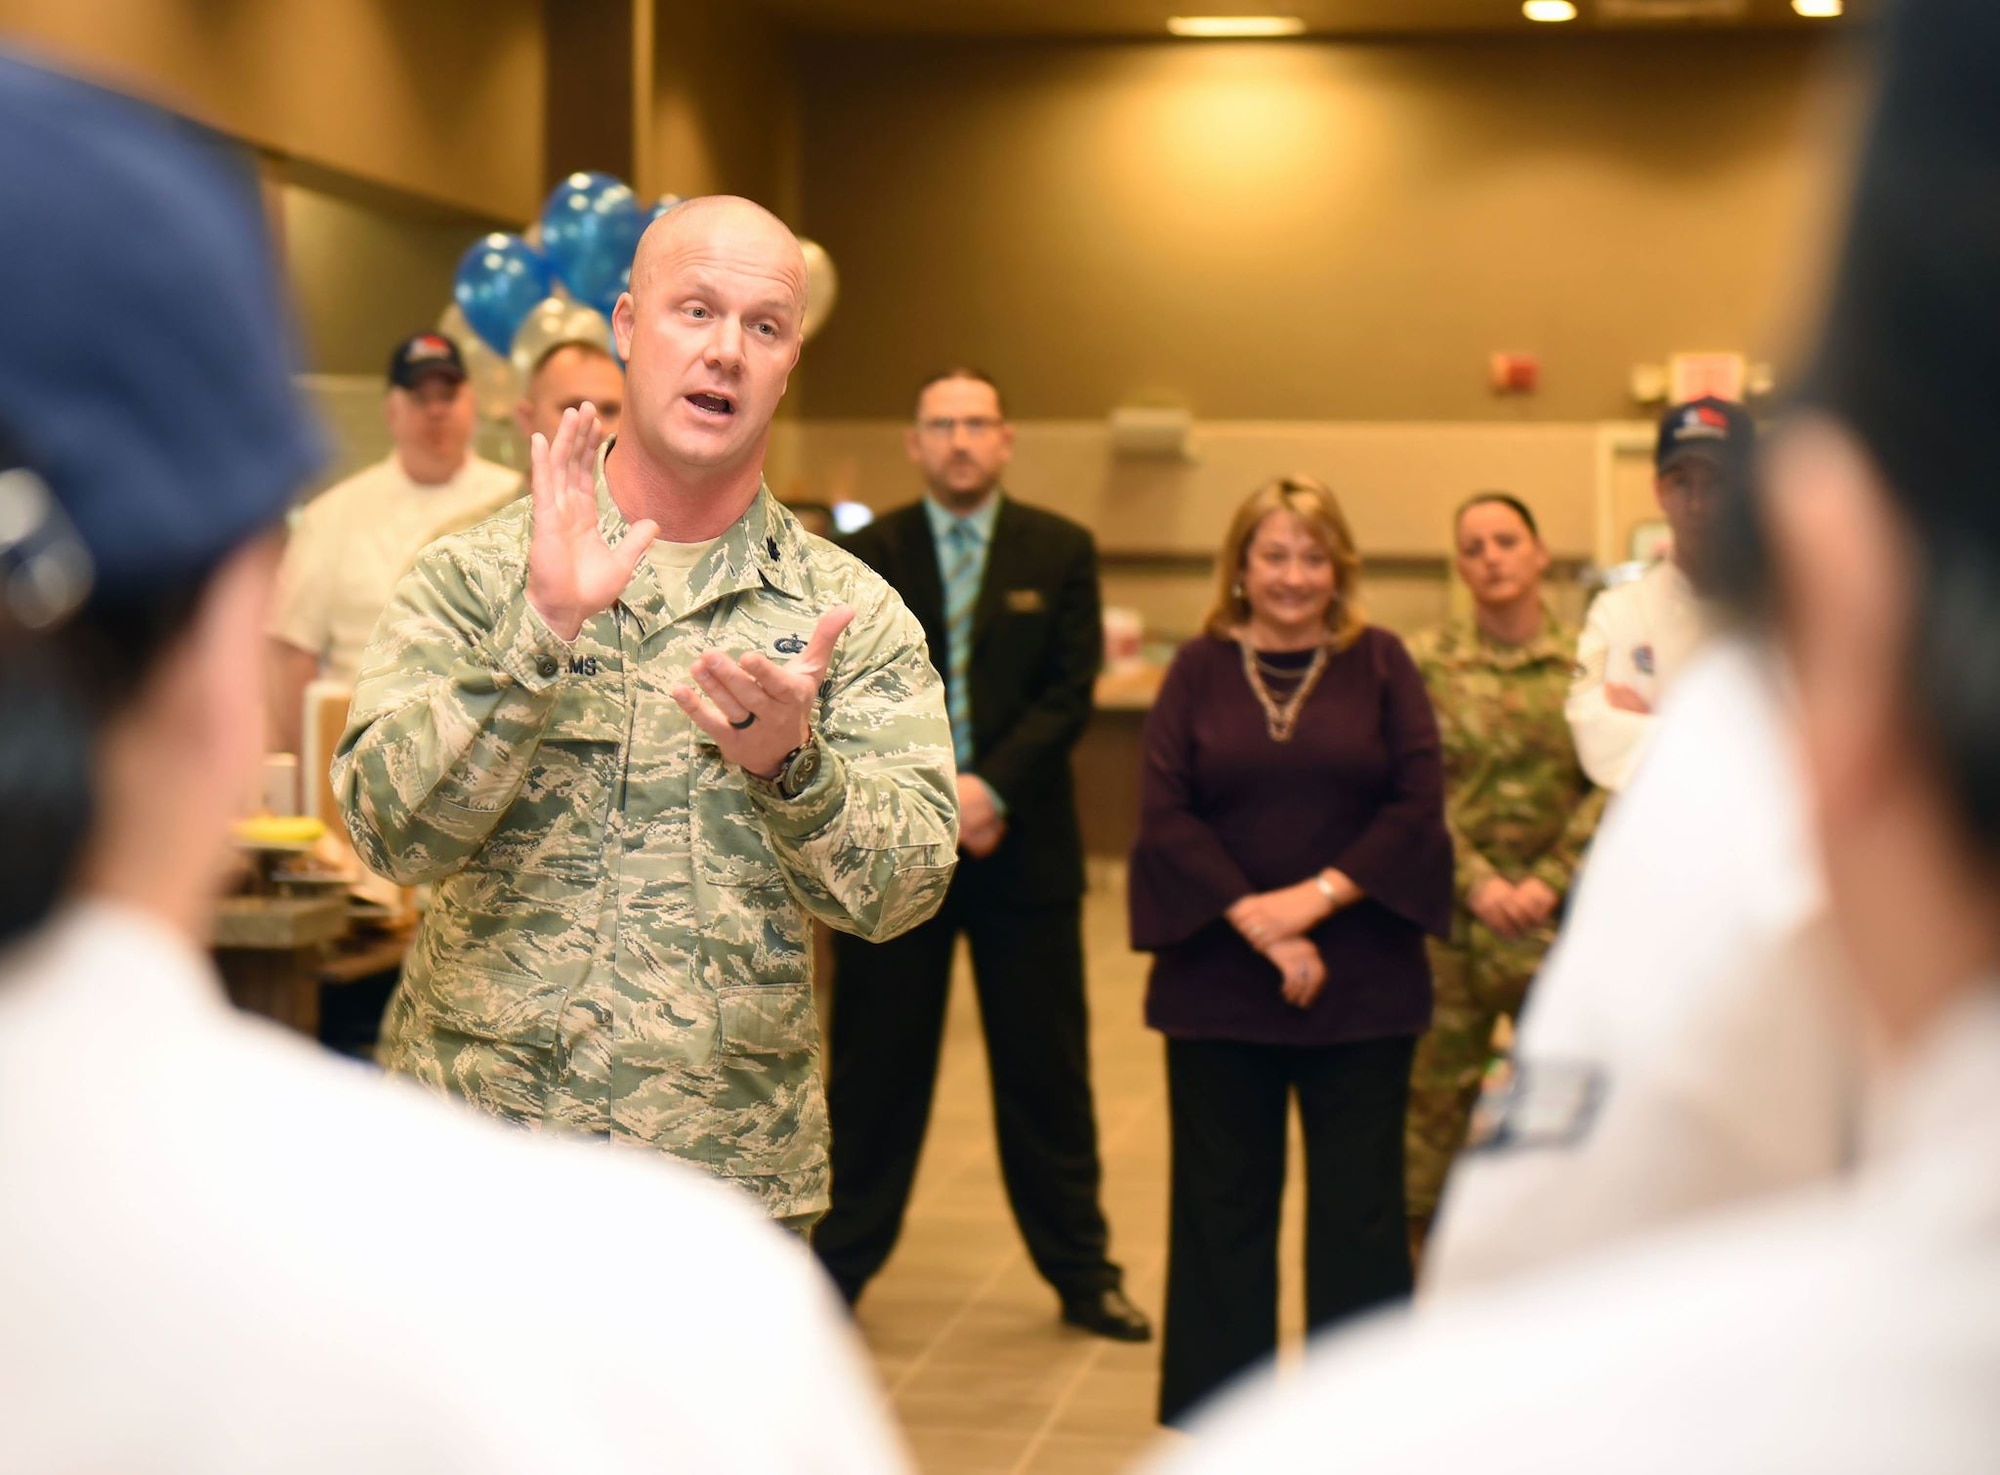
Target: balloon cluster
517,296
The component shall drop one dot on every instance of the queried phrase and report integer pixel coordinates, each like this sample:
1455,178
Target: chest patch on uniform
788,645
1543,1103
1642,657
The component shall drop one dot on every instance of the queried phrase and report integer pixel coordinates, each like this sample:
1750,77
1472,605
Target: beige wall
366,273
1159,522
1308,230
724,116
439,98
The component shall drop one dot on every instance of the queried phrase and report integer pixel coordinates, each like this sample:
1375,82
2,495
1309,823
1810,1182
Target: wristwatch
797,770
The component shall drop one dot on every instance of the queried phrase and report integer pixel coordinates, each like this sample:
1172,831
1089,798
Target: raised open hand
572,572
756,710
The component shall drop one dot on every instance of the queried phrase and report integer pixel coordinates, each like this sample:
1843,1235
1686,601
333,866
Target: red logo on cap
1703,422
430,346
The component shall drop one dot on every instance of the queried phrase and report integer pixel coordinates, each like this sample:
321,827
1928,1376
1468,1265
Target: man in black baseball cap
423,356
1702,459
351,543
221,1250
1639,636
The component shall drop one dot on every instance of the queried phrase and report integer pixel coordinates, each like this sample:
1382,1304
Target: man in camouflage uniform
1520,811
629,826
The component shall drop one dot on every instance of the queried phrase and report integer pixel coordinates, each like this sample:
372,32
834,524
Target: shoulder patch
1542,1103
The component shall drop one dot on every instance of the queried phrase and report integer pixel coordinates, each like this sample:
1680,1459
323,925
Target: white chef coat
1641,635
1849,1329
1688,1042
222,1250
352,542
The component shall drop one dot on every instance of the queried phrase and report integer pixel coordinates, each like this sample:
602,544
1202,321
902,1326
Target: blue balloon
500,279
591,225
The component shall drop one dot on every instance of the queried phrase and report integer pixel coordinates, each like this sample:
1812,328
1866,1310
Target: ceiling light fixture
1216,27
1549,10
1818,9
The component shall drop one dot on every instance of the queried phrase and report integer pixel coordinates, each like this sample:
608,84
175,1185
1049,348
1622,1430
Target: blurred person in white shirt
222,1250
352,542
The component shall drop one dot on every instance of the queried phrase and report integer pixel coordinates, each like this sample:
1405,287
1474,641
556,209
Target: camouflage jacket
619,938
1517,802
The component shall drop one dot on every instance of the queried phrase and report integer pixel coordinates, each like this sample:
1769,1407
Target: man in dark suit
1007,595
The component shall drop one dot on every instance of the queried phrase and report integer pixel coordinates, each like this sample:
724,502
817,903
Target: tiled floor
982,1375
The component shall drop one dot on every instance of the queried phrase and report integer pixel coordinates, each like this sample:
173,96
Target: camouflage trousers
1478,978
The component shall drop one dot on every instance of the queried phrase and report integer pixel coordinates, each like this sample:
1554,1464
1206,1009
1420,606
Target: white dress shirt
1641,635
352,542
223,1250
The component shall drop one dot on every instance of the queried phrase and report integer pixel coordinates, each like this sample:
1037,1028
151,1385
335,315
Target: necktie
961,593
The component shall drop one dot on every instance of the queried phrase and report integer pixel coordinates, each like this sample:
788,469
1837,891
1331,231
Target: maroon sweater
1226,812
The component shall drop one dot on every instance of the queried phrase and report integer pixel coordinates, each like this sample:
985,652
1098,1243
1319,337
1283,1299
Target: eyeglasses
945,426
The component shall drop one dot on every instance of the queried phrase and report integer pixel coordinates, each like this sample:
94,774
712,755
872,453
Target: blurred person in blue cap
1853,1327
220,1249
1638,637
352,542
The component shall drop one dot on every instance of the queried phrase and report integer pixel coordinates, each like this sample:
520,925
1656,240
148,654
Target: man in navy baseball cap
424,356
1639,636
1716,430
353,541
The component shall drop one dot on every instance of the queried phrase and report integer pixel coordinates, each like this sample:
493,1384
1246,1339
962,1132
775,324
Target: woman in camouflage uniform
1520,812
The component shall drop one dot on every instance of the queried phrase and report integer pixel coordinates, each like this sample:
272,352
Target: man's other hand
756,710
980,825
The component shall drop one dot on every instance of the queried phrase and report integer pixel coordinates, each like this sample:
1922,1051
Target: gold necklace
1281,718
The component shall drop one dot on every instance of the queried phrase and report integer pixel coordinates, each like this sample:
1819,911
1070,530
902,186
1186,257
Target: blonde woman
1292,854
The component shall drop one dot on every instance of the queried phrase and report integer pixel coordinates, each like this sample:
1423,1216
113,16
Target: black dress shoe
1108,1313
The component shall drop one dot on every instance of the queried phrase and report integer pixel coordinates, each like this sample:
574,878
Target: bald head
710,332
728,224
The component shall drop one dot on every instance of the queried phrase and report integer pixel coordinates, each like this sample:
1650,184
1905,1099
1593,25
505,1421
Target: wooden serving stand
279,942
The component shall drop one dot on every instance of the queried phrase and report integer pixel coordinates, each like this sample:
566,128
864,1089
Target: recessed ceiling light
1818,9
1214,26
1550,10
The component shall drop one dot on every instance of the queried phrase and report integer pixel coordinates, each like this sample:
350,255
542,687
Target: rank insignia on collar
1642,657
789,645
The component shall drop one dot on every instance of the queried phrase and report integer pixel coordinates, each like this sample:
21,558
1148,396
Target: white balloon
495,386
822,286
551,321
